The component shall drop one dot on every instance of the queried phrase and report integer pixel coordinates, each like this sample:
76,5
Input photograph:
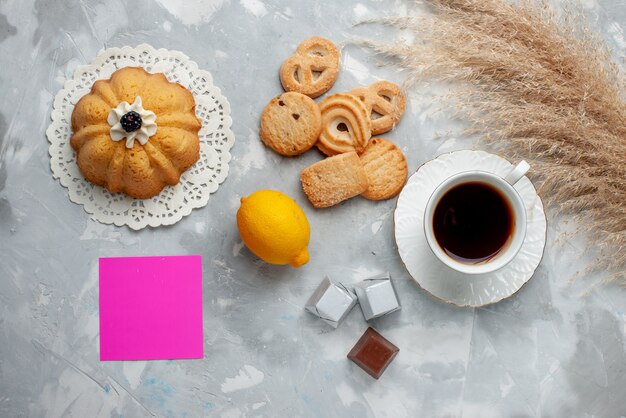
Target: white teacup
505,188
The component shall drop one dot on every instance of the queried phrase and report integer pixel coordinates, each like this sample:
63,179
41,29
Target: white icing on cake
148,123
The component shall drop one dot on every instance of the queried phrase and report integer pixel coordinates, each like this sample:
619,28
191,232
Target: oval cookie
313,69
386,169
345,125
291,124
385,104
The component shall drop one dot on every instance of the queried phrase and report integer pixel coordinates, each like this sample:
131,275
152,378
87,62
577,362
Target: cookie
334,180
291,124
385,104
313,69
346,127
385,168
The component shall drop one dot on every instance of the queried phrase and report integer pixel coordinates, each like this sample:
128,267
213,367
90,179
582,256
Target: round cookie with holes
385,103
291,124
313,69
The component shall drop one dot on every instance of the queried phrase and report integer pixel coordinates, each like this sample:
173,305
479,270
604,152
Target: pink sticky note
151,308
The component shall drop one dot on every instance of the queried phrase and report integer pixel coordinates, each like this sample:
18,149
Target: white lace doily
196,184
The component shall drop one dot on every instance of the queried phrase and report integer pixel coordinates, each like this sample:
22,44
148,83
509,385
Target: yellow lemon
274,228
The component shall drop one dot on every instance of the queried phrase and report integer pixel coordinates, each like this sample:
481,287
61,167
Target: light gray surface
557,348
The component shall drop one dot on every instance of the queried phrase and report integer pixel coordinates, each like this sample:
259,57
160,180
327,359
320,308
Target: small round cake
135,133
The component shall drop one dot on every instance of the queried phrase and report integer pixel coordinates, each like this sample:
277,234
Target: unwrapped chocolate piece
331,302
373,353
377,296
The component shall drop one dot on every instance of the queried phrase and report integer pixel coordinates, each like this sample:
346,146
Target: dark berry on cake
131,121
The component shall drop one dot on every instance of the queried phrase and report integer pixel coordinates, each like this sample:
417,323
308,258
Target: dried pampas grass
536,86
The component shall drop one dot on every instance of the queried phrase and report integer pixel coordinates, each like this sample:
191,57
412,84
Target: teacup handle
517,173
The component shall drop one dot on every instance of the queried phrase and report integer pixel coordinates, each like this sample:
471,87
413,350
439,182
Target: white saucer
428,271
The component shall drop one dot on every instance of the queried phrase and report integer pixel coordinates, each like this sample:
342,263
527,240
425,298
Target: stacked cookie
341,126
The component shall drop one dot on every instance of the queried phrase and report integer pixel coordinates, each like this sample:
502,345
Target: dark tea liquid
473,222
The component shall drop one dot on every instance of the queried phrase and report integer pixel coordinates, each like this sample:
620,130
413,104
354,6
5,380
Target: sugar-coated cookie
334,180
386,169
291,124
313,69
346,127
385,104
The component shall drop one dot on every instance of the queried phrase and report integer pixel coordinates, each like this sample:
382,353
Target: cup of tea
475,221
